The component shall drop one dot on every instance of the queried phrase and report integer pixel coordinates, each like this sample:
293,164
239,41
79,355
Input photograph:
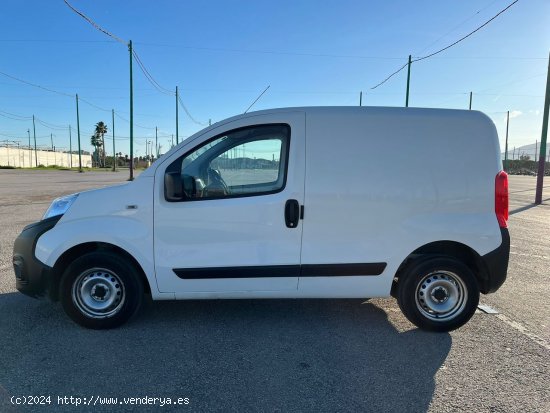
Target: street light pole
70,148
30,150
114,153
78,130
34,132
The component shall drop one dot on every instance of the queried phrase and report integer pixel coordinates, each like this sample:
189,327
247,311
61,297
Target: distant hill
526,150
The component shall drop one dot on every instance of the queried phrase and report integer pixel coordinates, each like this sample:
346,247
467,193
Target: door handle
292,213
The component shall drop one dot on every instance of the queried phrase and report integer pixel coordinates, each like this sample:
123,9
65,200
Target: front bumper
496,265
32,276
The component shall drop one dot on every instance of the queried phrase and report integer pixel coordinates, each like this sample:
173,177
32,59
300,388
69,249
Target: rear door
229,232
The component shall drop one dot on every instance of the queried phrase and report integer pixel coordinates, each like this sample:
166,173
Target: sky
223,54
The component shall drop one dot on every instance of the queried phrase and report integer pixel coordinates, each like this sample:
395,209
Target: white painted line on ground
519,327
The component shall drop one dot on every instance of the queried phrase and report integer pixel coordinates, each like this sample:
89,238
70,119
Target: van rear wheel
100,290
438,293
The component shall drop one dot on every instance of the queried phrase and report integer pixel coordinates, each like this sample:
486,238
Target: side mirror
173,187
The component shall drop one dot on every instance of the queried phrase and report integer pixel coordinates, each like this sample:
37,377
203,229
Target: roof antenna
258,98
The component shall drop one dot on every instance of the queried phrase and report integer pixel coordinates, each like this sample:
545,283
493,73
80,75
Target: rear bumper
32,277
496,265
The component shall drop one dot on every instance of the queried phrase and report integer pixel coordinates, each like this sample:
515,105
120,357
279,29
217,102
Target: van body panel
247,231
120,215
372,195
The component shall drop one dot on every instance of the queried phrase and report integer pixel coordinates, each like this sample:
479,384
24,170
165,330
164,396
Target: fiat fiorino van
317,202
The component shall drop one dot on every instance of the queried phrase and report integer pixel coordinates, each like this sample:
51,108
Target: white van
320,202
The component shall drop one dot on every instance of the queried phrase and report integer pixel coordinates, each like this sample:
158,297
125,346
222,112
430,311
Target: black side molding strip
239,272
268,271
342,270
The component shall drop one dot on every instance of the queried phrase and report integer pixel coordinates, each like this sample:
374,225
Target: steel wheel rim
441,296
98,293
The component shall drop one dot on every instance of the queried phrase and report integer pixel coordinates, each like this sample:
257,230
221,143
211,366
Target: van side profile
314,202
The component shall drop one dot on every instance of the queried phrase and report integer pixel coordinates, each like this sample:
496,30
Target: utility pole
506,144
408,82
114,153
70,148
30,150
78,133
34,133
536,148
156,142
131,115
209,122
470,108
172,141
53,150
544,135
361,98
177,120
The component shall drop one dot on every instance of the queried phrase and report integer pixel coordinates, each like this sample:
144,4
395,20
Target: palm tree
96,143
101,130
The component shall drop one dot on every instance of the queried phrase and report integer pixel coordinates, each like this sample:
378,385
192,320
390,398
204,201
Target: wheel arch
460,251
78,250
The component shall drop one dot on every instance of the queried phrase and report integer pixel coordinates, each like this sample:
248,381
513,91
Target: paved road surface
279,355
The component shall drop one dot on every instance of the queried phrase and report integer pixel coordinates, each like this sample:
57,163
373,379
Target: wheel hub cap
98,293
441,295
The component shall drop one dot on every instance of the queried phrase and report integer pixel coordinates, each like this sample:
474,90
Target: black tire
101,290
438,293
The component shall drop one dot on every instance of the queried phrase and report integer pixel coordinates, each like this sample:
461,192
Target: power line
163,90
146,73
53,41
8,114
256,51
52,90
93,105
13,116
35,85
94,24
136,124
51,125
276,52
13,135
446,47
458,25
149,77
469,34
189,114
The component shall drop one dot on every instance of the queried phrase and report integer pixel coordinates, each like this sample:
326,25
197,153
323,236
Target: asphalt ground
277,355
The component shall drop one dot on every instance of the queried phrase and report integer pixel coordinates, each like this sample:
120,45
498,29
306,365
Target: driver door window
243,162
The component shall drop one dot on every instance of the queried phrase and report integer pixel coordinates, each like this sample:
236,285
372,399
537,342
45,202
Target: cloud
513,114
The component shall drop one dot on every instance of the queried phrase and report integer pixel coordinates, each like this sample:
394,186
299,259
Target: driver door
227,233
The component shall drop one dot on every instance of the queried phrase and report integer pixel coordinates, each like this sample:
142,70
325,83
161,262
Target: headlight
60,206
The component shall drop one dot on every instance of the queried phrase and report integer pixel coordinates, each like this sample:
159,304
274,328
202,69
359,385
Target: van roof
372,110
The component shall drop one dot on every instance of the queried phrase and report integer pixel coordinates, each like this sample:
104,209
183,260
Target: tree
96,143
101,130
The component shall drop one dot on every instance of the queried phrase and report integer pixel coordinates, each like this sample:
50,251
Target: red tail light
501,198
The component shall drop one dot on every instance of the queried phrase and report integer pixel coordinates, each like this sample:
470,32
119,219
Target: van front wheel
100,290
438,293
